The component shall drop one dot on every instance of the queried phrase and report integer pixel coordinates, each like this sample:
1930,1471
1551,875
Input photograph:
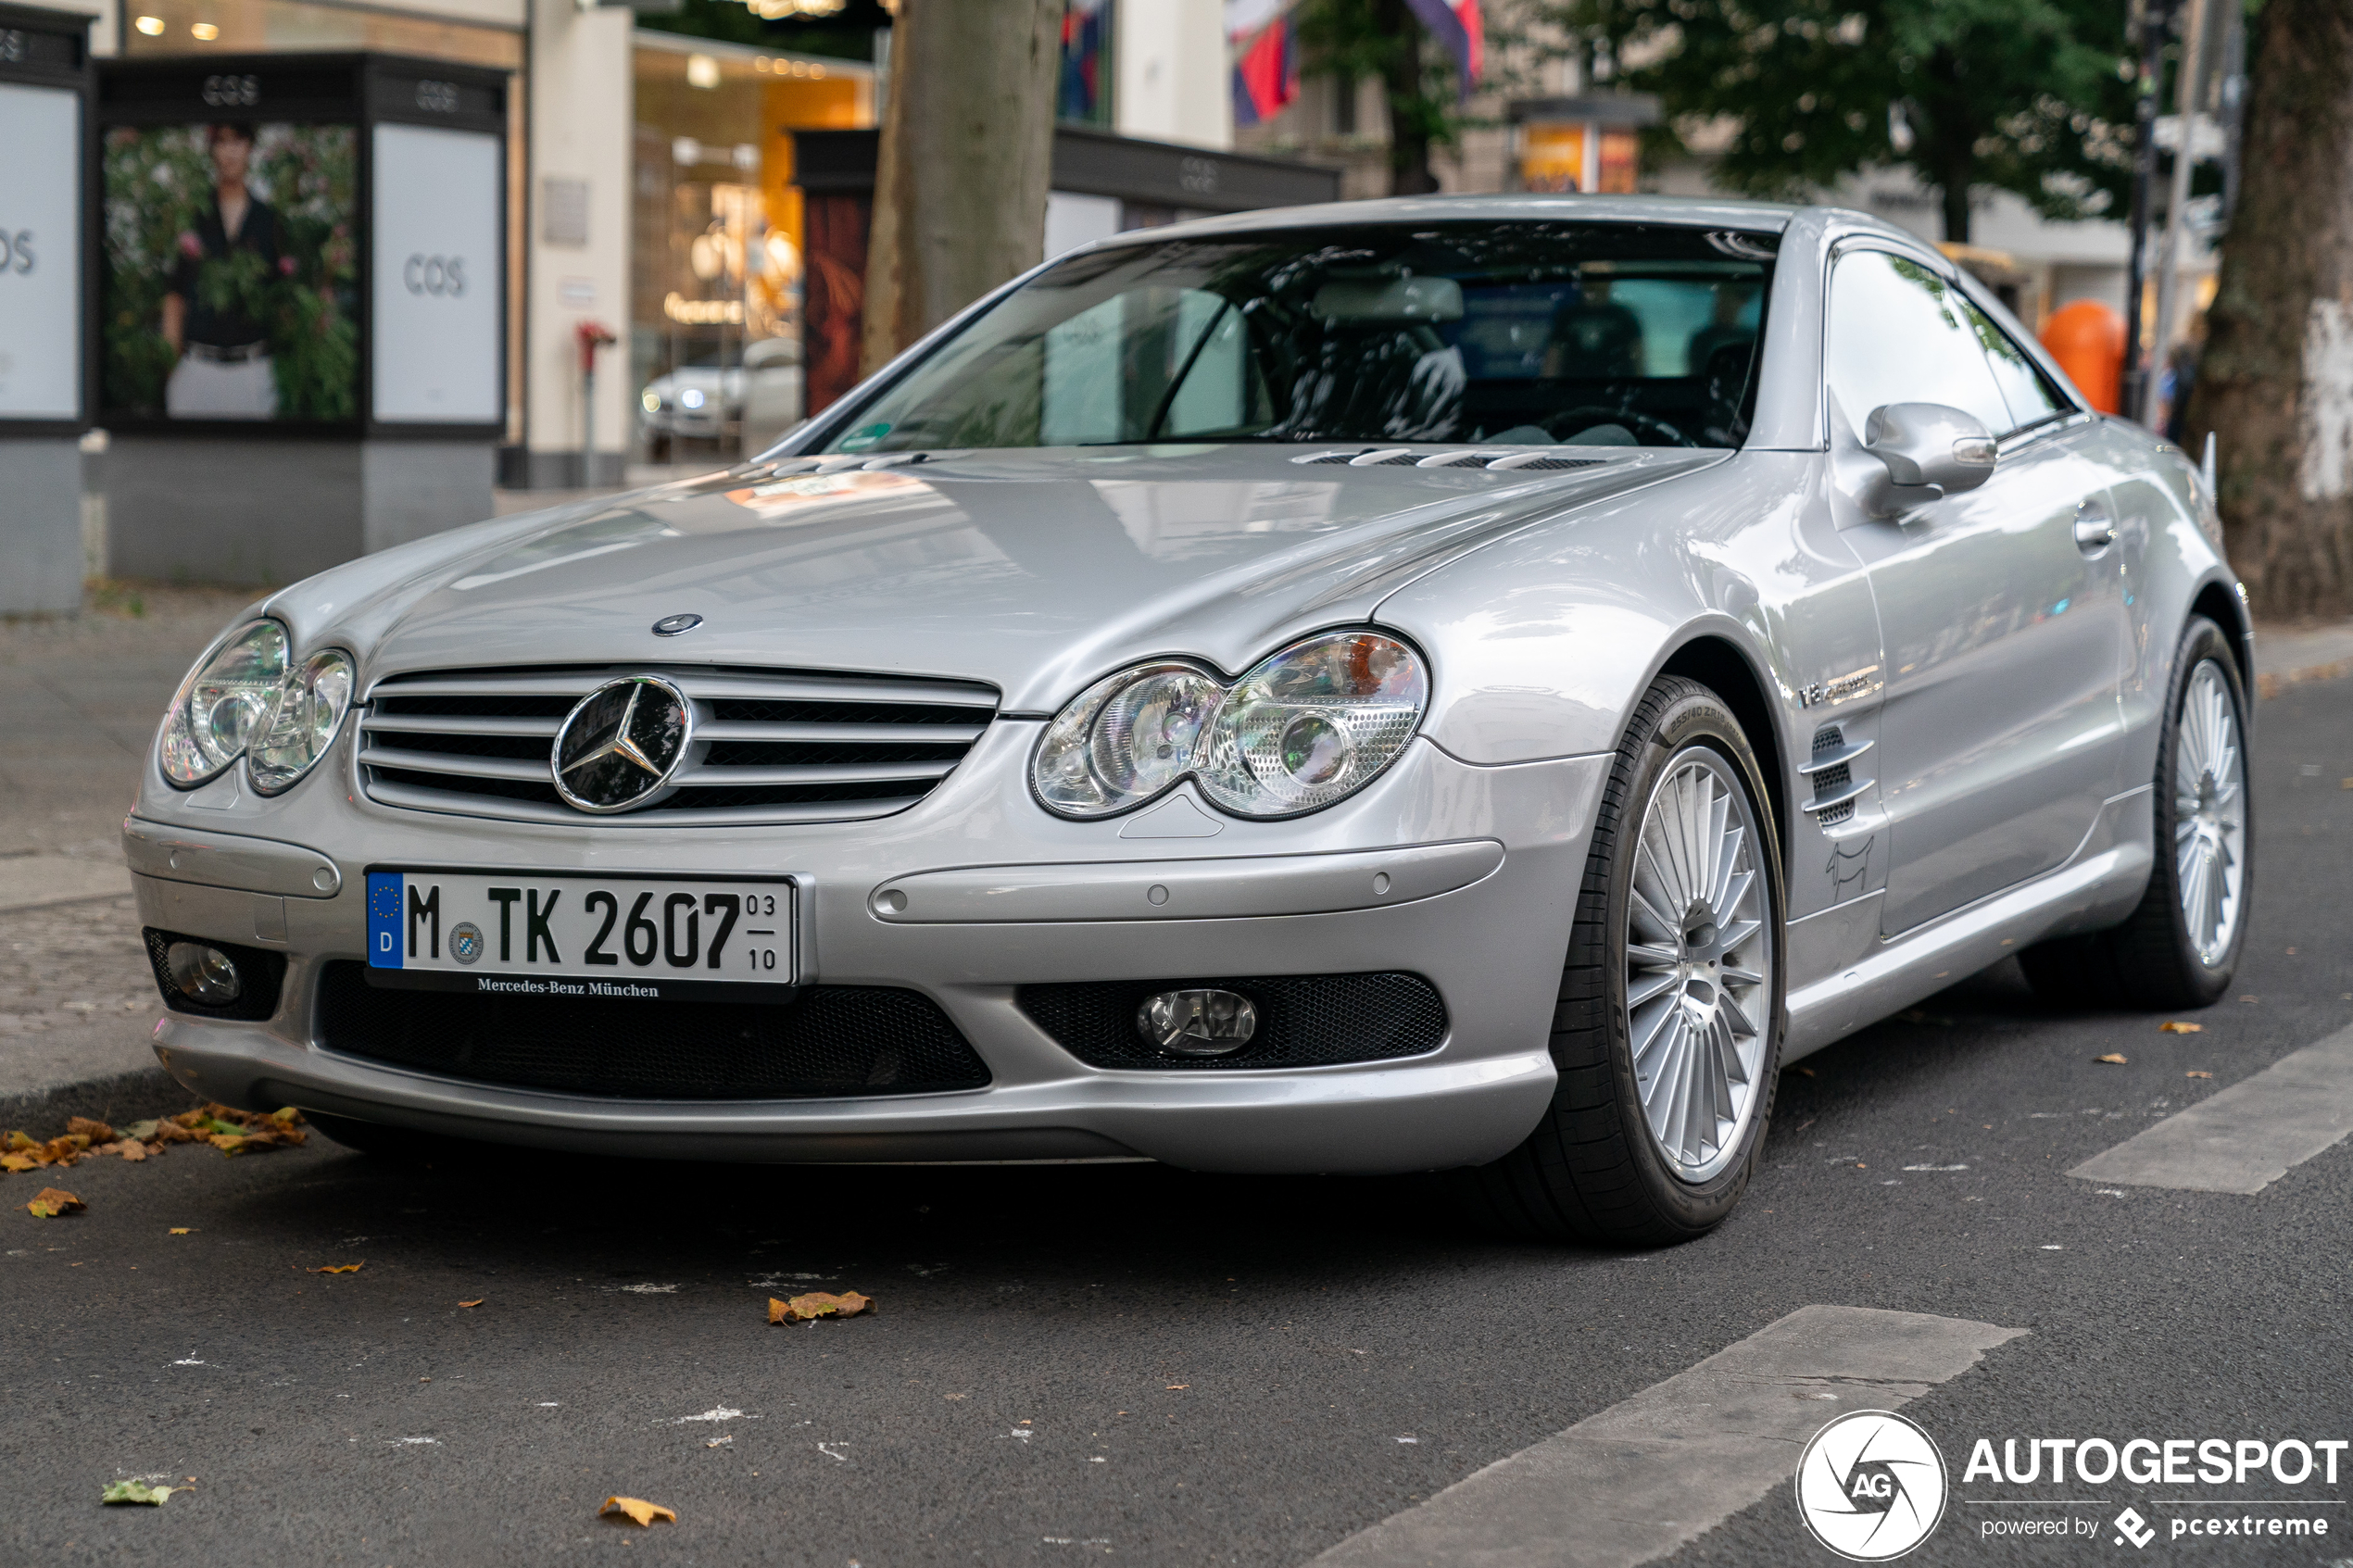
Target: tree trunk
1401,87
1951,152
2275,382
959,191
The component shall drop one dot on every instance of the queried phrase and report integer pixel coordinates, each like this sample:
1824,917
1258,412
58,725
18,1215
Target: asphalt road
1162,1368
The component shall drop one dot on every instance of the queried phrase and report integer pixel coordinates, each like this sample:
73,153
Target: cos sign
232,92
443,275
15,251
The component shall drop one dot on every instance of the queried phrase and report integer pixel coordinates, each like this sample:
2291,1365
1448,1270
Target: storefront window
719,241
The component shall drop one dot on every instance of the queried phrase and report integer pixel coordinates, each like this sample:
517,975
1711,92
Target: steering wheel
1650,430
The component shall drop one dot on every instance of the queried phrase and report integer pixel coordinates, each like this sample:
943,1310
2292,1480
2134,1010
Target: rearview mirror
1930,450
1369,300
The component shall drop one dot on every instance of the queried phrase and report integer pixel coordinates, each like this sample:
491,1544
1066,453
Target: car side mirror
1931,451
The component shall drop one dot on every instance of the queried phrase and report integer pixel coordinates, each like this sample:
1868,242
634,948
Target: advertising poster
40,255
439,211
231,275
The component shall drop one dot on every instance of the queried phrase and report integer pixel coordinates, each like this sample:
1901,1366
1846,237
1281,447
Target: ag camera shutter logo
1870,1486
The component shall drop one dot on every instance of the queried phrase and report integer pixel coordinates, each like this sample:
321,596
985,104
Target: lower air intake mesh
829,1042
1303,1020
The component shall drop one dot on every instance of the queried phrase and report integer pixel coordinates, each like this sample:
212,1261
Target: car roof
1695,212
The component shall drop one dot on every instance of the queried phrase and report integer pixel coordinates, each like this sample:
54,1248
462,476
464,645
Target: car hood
1036,571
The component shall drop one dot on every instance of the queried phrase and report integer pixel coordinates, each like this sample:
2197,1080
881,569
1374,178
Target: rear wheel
2181,946
1667,1032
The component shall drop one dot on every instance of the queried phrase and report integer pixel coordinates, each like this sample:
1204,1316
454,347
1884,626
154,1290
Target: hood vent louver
1509,460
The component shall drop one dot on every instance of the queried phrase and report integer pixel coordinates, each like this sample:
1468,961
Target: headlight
296,732
1311,725
213,714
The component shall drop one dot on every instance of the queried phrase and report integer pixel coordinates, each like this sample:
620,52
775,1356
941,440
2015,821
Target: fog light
203,974
1198,1022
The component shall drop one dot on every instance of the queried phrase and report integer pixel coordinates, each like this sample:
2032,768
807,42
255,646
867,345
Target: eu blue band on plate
385,894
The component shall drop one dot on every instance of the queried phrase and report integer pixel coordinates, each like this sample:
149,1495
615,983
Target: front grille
829,1042
1303,1020
261,970
769,746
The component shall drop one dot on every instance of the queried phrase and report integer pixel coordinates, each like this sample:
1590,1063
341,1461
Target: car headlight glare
214,712
296,732
1309,726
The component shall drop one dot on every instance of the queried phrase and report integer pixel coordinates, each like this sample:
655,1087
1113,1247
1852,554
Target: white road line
1643,1476
2249,1135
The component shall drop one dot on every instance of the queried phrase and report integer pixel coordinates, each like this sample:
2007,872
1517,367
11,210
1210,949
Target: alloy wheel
1699,964
2209,813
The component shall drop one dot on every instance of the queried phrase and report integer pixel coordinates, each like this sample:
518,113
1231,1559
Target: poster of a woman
230,273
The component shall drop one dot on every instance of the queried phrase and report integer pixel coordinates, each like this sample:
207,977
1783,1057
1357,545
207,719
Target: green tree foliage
1381,40
2033,96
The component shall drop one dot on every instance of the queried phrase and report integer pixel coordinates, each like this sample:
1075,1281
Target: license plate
530,935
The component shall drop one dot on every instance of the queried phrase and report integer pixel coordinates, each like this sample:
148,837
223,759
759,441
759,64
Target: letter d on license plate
532,934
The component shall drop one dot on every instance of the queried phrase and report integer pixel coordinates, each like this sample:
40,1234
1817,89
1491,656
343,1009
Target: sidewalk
79,700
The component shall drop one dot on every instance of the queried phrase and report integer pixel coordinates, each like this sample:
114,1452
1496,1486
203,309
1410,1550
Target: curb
118,1097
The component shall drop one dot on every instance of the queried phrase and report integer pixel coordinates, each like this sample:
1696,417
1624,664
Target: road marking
1643,1476
2249,1135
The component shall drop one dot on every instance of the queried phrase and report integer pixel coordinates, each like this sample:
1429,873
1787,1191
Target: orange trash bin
2087,339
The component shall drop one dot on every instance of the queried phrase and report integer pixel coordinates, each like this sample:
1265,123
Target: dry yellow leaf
18,1143
2113,1058
475,1302
342,1268
2196,1074
638,1509
50,1202
2175,1026
819,1304
182,1229
96,1132
19,1162
133,1151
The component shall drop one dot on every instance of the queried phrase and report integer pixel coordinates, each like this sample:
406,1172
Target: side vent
1406,458
1836,784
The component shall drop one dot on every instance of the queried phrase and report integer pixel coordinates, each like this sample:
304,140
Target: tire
2154,961
1597,1169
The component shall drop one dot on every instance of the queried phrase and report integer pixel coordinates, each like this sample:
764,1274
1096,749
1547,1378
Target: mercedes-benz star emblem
673,625
620,744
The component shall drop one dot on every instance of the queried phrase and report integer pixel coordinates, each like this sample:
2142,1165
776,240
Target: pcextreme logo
1870,1486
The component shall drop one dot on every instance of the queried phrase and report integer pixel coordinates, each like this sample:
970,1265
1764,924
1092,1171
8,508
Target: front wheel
1667,1033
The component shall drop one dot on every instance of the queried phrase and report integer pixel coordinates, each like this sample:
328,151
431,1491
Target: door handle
2095,530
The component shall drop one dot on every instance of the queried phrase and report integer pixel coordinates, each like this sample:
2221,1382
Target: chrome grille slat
457,724
781,746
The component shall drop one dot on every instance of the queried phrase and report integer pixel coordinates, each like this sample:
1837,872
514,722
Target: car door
2001,608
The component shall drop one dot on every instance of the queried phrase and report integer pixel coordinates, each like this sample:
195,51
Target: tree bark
2275,382
1409,171
1952,141
959,191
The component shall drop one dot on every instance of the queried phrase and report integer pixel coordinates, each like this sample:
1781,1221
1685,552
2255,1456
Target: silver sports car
1440,684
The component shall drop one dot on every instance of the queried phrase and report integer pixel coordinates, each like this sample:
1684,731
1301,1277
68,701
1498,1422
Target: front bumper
1478,868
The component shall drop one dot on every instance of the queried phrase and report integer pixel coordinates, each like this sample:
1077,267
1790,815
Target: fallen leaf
475,1302
1807,1072
819,1304
133,1152
143,1131
2113,1058
96,1132
134,1491
182,1229
2175,1026
50,1202
19,1162
2198,1074
342,1268
638,1509
1180,1385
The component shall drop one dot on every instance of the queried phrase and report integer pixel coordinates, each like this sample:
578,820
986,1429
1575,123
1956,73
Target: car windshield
1506,333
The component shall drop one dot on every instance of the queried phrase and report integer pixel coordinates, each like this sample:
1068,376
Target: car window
1900,333
2026,390
1528,334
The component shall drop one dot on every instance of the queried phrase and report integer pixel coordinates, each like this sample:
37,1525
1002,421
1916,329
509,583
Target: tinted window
2026,391
1900,333
1517,334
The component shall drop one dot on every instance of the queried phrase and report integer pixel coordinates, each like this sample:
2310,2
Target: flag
1457,25
1265,74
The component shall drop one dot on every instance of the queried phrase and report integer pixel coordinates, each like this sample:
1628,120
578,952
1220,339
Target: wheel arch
1721,666
2218,602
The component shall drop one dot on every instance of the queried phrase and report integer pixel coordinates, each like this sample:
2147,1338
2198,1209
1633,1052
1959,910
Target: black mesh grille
1560,463
263,973
1303,1019
830,1041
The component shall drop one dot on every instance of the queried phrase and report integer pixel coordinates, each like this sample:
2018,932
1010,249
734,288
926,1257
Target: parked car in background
753,399
1473,683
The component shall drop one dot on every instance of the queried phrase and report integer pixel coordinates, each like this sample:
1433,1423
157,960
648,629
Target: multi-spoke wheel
2179,948
1669,1031
1699,963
